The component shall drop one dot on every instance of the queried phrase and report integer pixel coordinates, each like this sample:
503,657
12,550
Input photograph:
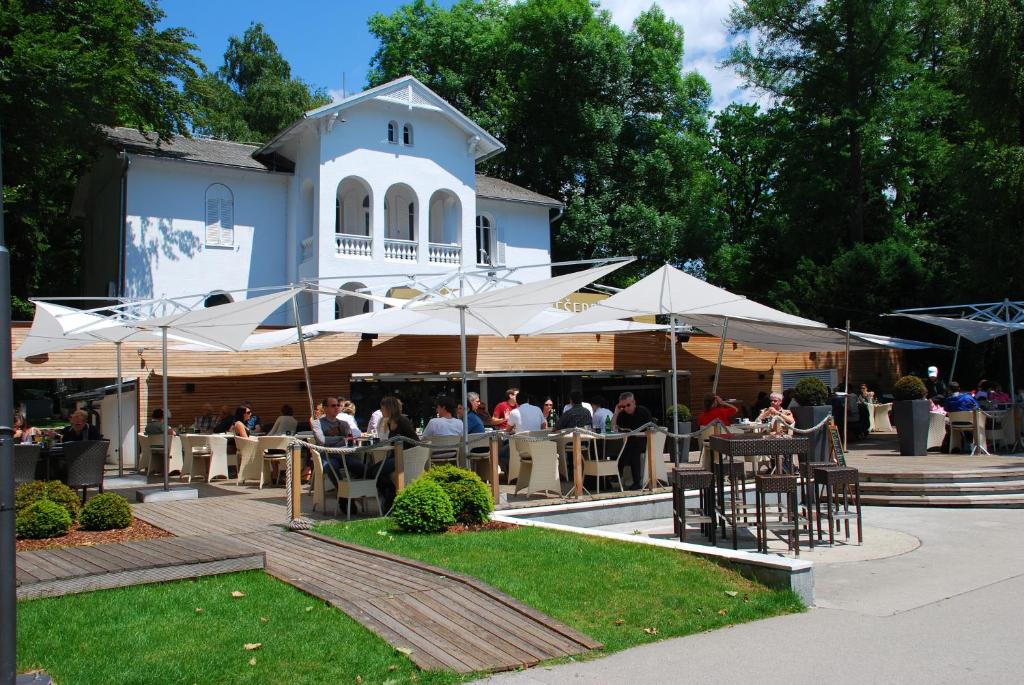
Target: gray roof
202,150
496,189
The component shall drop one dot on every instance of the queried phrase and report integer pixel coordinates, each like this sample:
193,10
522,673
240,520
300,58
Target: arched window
393,132
220,216
407,134
350,305
216,299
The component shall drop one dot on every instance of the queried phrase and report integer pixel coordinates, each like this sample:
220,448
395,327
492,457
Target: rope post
650,460
493,463
399,466
577,462
294,483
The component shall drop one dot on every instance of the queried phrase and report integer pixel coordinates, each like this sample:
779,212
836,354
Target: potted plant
910,415
685,426
813,408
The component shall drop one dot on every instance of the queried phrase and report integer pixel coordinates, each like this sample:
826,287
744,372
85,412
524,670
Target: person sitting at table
225,420
80,428
332,431
474,422
374,422
393,423
546,407
935,406
716,408
252,422
504,409
781,420
285,423
445,423
526,417
206,421
866,395
24,432
602,415
348,415
577,416
996,394
156,424
629,416
959,401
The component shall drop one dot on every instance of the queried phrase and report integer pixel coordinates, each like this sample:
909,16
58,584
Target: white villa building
381,183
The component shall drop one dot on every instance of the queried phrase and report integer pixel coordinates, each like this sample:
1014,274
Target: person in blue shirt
473,421
959,401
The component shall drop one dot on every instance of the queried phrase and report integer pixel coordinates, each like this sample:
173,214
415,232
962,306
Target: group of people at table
78,428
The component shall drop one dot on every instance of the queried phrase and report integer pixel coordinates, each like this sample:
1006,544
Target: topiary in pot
106,512
42,519
810,392
423,507
471,500
909,388
28,494
683,411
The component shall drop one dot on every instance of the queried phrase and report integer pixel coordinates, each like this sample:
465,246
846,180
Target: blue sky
324,39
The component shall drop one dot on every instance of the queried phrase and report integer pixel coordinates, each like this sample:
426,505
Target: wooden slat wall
273,377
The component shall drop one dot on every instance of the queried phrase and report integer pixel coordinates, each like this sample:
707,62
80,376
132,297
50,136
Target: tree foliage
252,96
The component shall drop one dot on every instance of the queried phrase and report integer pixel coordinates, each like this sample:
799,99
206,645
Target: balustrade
353,245
400,250
444,254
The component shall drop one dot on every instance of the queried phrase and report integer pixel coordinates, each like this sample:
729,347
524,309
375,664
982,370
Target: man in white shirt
445,423
375,418
586,405
601,413
526,417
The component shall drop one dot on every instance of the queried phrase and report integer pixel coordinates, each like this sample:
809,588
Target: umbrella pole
120,432
721,351
465,401
956,353
846,387
302,351
1013,390
167,417
675,391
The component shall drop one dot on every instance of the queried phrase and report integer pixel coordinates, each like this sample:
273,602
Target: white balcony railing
444,254
400,250
307,248
353,245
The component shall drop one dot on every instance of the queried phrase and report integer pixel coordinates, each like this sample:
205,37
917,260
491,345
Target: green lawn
618,593
154,634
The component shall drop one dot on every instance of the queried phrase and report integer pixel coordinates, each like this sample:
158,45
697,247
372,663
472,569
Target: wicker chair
539,471
86,459
26,457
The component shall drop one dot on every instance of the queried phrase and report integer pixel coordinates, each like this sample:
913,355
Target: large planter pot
684,443
809,417
911,419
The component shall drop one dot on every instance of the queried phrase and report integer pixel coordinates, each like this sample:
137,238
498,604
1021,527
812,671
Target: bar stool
809,493
836,483
684,479
736,474
789,515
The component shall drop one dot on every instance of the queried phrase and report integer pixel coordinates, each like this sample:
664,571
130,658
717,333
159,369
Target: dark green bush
810,392
28,494
423,507
909,388
106,512
684,412
470,497
42,519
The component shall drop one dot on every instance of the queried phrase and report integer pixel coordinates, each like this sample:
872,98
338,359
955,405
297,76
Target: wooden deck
443,619
54,572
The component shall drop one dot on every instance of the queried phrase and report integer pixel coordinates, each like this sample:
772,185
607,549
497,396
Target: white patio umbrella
224,327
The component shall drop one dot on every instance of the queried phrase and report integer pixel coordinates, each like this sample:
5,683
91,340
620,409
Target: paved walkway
947,612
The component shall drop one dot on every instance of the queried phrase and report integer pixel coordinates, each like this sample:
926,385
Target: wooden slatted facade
272,377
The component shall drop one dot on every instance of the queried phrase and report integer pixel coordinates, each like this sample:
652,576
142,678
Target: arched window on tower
220,216
393,132
407,134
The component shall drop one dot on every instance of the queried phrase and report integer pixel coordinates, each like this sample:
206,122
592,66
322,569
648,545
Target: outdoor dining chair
594,465
155,451
145,452
538,472
971,422
415,461
350,487
445,449
214,456
26,457
86,459
936,429
273,449
1001,434
250,460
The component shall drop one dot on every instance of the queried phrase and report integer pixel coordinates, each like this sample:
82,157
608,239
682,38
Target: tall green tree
65,67
253,95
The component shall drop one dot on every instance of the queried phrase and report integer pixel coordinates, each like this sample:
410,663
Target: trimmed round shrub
423,507
683,411
28,494
909,388
106,512
471,500
42,519
810,392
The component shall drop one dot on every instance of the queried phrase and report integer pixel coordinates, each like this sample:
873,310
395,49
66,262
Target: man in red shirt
504,409
716,408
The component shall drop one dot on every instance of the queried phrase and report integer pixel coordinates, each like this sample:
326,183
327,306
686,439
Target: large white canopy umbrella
224,327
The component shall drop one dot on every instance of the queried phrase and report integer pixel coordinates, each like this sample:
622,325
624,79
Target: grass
618,593
154,634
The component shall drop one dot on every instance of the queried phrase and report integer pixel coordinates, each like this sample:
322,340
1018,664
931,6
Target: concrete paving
946,611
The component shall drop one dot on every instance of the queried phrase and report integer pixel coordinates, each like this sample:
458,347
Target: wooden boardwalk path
442,619
54,572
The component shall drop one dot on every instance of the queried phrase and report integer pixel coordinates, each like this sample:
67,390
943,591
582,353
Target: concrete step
1011,501
937,477
1007,487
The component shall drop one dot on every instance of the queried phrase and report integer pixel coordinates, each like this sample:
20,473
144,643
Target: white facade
382,183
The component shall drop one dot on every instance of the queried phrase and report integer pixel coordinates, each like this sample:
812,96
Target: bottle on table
607,424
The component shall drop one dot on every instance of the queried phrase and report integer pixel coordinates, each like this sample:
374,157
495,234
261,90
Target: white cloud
706,42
